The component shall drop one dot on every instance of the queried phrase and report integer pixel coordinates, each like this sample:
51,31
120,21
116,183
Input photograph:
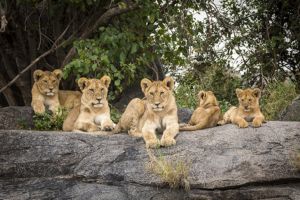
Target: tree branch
54,47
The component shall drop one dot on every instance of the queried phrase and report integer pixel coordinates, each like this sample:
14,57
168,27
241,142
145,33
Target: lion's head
207,98
158,93
47,82
248,98
94,91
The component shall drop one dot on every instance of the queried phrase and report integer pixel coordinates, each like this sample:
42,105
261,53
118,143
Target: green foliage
22,123
115,114
126,48
216,79
174,172
48,121
277,96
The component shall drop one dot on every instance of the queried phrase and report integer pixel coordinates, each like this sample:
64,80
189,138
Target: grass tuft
173,172
49,121
296,160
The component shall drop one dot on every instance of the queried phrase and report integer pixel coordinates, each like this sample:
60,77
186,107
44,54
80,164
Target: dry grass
173,172
296,160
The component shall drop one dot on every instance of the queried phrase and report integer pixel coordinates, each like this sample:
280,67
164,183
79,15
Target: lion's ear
37,74
238,92
201,94
83,83
145,83
58,73
257,92
105,80
169,82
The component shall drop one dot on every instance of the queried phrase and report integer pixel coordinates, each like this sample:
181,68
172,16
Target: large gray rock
225,163
16,117
292,112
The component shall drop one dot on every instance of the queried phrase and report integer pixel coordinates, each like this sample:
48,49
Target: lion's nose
246,107
99,98
157,104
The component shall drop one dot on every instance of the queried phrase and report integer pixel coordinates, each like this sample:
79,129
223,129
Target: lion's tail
193,127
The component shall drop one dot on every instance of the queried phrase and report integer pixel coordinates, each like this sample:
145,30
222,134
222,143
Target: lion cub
248,110
206,115
158,111
45,92
93,113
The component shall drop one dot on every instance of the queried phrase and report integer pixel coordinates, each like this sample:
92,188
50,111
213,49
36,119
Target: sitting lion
248,110
158,111
206,115
45,92
94,113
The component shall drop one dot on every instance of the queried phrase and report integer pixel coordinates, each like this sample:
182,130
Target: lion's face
158,93
94,91
248,98
207,98
47,82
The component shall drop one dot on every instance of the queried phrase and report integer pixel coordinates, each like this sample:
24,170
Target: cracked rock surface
225,163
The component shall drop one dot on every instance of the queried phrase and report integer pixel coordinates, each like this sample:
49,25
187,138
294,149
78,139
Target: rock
292,112
16,117
225,163
184,115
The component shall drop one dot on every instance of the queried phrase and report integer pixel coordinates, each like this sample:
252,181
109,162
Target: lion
206,115
156,112
248,110
45,92
93,113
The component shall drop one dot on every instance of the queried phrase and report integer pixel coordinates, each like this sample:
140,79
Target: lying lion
158,111
206,115
94,113
45,92
248,110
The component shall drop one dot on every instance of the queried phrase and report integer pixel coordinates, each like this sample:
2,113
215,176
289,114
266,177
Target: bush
48,121
173,172
216,79
277,96
115,114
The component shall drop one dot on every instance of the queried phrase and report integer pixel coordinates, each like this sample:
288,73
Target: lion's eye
250,100
243,99
162,93
102,89
45,81
151,93
53,81
91,90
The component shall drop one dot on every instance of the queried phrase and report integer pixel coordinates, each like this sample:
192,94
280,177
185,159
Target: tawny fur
94,113
247,111
206,115
158,111
45,92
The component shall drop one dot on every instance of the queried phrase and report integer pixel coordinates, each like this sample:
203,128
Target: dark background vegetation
213,45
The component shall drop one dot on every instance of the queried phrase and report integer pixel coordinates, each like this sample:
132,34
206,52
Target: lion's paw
243,124
166,142
256,123
152,144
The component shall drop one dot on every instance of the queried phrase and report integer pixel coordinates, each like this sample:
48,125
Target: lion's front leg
149,136
107,125
38,106
54,107
85,126
257,121
133,130
241,122
169,134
